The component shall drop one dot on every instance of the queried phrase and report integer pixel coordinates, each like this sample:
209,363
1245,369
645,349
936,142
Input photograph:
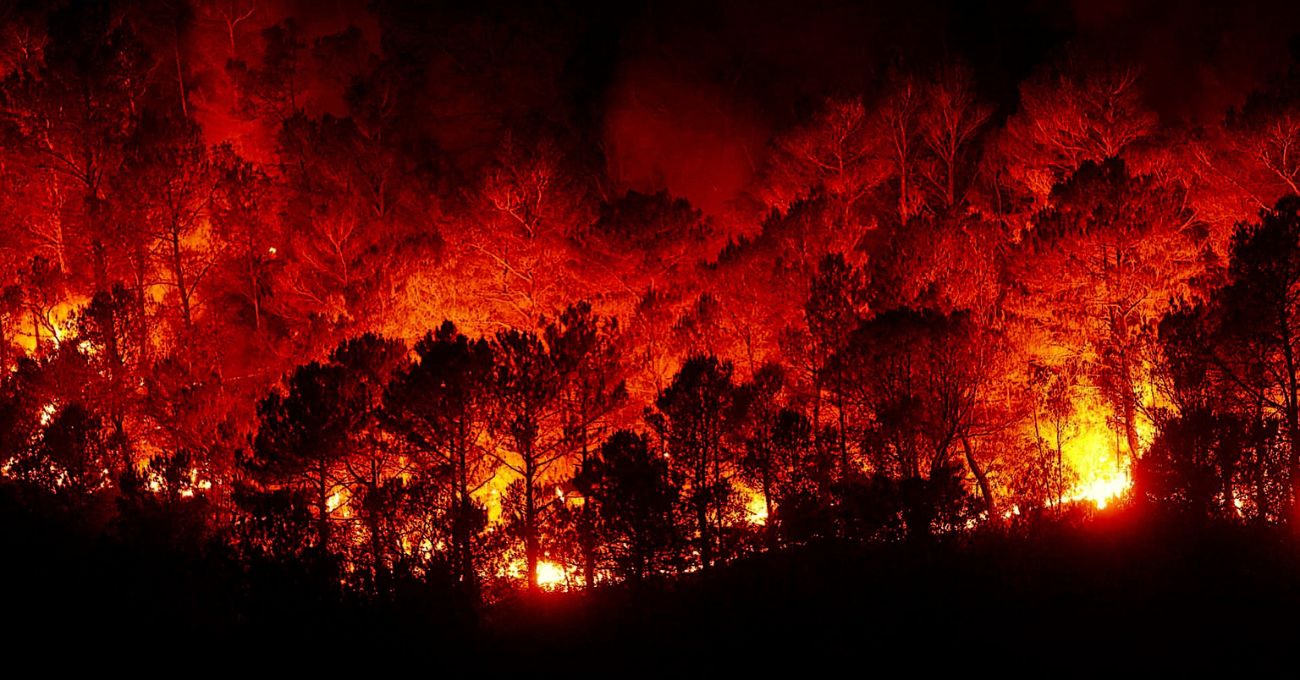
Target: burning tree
441,407
1099,269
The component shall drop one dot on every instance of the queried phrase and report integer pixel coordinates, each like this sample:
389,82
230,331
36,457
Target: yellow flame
338,501
60,322
1104,490
551,576
756,510
1098,454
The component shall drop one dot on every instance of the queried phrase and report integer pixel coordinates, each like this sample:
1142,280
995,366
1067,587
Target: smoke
699,89
668,131
1199,58
685,96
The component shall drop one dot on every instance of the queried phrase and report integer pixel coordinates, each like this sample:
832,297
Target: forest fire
1103,491
756,509
1100,463
551,576
433,303
51,325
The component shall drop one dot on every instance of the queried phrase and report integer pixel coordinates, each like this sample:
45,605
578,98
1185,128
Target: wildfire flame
551,576
1101,492
338,501
756,509
1096,453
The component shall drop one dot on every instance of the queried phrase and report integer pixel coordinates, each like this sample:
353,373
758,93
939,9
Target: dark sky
686,94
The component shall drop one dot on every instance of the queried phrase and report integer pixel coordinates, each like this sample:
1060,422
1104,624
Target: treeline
483,460
394,459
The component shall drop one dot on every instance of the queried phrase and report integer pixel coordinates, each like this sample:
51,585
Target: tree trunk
587,513
140,330
1294,425
1292,421
180,73
986,490
1130,427
60,238
256,290
462,535
178,272
1261,492
642,556
322,510
1229,496
588,539
36,331
531,547
123,444
100,266
702,519
702,512
768,521
375,520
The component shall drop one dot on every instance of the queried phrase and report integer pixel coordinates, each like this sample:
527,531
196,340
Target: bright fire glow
1099,456
338,502
756,510
1104,490
551,576
60,321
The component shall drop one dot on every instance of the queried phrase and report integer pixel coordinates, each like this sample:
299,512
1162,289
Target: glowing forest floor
1102,596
